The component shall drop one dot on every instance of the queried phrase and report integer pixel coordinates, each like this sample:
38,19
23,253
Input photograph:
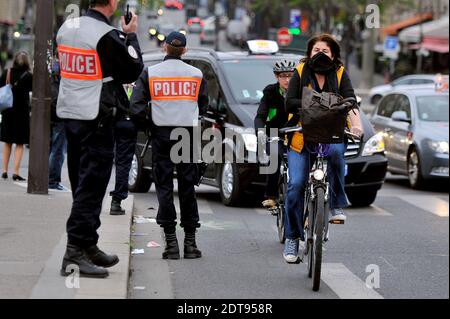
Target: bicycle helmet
284,66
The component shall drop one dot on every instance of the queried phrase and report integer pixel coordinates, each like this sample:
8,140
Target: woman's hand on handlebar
356,130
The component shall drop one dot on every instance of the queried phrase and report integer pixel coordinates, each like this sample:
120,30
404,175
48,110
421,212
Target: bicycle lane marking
428,203
345,284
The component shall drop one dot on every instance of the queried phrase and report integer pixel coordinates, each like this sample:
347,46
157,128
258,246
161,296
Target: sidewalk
32,244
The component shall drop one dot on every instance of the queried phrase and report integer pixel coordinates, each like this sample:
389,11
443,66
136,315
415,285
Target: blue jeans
58,149
299,167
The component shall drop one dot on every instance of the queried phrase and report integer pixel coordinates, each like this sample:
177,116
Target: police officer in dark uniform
95,61
125,135
178,93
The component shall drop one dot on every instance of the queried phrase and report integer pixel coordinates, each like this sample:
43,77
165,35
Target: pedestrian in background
96,60
58,141
15,128
171,110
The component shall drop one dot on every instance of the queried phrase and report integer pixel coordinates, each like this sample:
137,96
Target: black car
235,83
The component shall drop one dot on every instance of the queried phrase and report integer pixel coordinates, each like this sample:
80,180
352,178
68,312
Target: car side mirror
400,116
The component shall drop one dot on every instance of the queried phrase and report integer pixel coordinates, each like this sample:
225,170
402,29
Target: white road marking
345,284
368,211
431,204
203,206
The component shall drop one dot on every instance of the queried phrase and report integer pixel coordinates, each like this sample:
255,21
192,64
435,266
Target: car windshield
248,78
433,108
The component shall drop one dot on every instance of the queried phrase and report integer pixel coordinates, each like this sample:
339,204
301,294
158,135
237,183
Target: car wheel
375,99
139,179
362,198
231,188
414,172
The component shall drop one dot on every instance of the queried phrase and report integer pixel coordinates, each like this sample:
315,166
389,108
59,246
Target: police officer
125,135
95,61
178,93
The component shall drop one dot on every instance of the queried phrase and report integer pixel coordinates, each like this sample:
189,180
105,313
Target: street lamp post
419,50
40,111
216,25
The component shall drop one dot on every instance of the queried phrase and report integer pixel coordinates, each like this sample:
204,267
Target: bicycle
316,210
279,210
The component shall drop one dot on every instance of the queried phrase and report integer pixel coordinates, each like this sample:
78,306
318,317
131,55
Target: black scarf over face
321,64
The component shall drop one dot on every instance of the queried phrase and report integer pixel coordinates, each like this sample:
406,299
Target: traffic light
295,31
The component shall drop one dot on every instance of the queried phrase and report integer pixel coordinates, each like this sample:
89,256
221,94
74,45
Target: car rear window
433,108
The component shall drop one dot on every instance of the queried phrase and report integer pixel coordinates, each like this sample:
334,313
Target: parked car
235,84
404,82
414,124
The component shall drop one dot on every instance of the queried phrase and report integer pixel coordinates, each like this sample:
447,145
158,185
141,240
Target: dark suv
235,83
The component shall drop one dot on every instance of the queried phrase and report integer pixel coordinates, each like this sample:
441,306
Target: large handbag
6,94
323,117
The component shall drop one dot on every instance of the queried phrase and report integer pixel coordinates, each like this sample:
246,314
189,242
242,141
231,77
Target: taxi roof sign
262,47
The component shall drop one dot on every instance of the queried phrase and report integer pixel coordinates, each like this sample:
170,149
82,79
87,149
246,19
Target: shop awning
395,28
435,44
435,29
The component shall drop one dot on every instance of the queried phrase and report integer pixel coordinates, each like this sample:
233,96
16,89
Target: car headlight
374,145
439,147
161,37
250,142
152,31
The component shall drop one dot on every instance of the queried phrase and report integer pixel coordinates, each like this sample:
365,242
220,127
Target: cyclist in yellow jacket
323,71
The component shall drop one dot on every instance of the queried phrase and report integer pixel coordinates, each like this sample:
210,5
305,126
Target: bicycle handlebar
292,129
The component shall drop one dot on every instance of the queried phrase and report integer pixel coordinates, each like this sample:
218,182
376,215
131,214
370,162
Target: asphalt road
403,237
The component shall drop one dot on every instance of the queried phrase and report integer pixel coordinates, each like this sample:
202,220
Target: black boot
99,258
76,256
190,247
116,209
171,251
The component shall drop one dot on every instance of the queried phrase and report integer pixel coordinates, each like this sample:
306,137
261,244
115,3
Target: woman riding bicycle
323,71
271,114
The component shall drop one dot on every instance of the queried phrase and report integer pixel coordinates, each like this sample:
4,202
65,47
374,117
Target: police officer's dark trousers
90,158
125,139
163,173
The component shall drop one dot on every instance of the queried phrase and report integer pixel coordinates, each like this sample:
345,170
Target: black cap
176,39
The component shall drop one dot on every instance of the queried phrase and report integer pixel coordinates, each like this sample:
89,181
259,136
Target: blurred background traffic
390,49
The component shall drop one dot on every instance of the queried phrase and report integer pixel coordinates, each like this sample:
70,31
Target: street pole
216,26
419,51
368,66
40,110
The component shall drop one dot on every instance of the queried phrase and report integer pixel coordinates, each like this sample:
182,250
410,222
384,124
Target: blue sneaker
337,216
290,253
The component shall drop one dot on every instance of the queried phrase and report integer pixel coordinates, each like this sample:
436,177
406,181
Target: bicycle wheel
281,215
309,221
318,228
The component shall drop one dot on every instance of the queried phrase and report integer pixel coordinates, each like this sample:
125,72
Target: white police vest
81,71
174,90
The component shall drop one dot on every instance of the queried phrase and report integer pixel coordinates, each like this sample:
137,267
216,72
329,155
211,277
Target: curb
114,238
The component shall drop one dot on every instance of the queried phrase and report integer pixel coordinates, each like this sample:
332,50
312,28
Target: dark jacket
140,100
271,105
294,93
15,127
117,63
